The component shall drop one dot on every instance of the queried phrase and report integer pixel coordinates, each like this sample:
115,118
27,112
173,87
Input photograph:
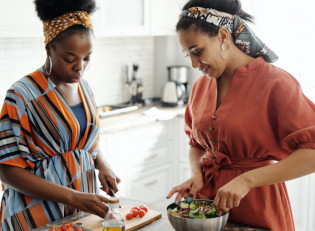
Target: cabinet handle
150,183
151,157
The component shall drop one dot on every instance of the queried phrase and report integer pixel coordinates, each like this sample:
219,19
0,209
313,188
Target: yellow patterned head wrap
55,26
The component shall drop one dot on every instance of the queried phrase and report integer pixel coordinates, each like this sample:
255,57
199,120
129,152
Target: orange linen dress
263,117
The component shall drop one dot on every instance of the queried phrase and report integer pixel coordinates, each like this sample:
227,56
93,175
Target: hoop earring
50,66
224,47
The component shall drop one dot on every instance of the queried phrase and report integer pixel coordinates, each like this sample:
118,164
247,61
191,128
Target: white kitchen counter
138,118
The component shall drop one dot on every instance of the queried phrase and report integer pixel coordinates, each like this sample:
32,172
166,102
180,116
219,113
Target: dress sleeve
188,124
292,115
14,130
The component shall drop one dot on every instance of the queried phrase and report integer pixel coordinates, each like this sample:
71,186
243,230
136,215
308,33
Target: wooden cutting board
94,222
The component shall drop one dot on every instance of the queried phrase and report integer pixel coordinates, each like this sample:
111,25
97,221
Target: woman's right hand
187,189
90,202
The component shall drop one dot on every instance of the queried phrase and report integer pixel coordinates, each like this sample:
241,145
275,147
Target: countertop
144,115
158,225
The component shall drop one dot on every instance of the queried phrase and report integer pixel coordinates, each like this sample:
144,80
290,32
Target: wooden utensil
94,222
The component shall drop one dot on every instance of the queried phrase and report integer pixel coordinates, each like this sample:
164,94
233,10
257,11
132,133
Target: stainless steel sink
117,110
112,110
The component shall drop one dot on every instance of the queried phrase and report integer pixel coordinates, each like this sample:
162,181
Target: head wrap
55,26
243,36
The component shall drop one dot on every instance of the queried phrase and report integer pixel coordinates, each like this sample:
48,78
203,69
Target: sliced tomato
79,229
143,207
141,213
129,216
65,227
137,208
135,212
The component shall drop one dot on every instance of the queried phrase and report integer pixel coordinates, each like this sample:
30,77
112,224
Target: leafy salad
194,210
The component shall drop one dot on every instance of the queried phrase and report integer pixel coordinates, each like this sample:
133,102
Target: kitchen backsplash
106,75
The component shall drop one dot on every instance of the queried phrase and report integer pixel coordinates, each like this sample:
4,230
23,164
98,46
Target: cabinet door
151,186
153,157
149,137
184,173
19,19
164,16
301,193
119,157
183,141
124,17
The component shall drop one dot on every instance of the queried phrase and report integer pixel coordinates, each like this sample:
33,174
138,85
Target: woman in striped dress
49,128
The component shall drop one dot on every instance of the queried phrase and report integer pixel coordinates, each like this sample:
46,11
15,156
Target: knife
111,190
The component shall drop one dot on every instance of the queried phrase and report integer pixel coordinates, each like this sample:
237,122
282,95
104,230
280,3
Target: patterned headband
243,36
55,26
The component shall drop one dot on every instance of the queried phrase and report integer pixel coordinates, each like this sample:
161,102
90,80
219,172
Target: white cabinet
143,158
164,16
184,172
152,185
301,193
19,19
112,18
122,17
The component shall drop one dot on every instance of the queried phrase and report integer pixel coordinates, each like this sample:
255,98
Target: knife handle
111,190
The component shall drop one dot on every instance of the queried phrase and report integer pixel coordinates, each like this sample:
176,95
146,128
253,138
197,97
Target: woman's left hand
106,175
231,194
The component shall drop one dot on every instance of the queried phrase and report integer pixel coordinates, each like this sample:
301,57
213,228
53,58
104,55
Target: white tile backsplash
21,56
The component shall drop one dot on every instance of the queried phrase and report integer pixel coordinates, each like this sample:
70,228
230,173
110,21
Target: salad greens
194,210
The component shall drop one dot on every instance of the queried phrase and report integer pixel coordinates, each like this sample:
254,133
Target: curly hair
49,9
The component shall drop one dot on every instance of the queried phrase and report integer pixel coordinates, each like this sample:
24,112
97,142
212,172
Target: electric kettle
175,90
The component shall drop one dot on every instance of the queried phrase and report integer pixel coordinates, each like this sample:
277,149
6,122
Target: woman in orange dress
49,128
250,126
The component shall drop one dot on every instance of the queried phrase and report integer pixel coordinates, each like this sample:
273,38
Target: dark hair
229,6
50,9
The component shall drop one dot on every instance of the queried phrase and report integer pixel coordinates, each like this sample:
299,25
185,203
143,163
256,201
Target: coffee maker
175,89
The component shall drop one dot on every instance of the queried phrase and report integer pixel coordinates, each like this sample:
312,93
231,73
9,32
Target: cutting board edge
145,223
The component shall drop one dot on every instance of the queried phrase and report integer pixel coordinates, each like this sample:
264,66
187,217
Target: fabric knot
68,20
215,161
244,38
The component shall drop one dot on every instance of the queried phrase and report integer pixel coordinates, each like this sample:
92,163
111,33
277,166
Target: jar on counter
113,220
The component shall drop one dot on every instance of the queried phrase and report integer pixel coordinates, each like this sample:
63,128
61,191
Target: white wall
21,56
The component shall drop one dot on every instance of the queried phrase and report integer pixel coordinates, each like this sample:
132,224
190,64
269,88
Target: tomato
71,225
70,229
129,216
65,227
143,207
58,229
141,213
137,208
52,229
135,212
79,229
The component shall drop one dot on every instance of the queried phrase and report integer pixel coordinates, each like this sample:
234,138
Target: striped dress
39,132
